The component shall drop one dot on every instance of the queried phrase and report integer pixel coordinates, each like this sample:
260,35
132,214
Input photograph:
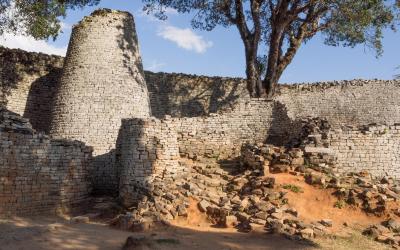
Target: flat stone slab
320,150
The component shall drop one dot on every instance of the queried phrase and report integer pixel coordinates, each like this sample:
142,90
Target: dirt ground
50,233
57,233
196,232
315,204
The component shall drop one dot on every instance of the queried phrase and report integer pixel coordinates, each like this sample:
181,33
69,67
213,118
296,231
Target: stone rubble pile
388,232
375,196
242,197
245,195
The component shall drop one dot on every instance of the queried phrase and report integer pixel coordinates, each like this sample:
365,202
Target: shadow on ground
58,233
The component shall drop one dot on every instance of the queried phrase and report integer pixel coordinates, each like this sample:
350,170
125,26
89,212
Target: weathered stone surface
38,174
102,82
203,205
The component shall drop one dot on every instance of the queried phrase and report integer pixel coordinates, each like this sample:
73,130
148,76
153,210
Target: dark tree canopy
38,18
273,30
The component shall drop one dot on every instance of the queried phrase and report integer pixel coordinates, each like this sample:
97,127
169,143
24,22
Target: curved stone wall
147,149
28,82
102,83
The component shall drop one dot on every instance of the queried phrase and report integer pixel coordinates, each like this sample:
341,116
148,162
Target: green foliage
359,22
345,22
293,188
40,19
276,29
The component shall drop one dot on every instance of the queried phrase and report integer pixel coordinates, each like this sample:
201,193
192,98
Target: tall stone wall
102,83
213,117
355,102
37,174
28,83
181,95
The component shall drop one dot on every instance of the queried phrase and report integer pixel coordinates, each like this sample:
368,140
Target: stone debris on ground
245,195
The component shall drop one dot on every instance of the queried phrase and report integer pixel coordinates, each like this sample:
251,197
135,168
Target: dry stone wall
182,95
28,83
147,149
38,174
372,148
222,135
102,83
355,102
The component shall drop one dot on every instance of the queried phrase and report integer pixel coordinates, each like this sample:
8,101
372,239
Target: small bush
293,188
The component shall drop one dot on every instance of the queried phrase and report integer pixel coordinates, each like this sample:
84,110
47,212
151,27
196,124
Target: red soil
314,204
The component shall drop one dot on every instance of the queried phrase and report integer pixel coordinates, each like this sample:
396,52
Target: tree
37,18
273,30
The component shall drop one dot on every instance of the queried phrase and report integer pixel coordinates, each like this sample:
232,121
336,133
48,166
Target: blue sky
172,46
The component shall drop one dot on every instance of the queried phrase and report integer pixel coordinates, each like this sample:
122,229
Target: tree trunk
273,73
254,84
270,82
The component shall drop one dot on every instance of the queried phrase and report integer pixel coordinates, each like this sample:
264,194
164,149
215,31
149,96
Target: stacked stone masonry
28,84
146,149
102,97
375,148
102,83
38,174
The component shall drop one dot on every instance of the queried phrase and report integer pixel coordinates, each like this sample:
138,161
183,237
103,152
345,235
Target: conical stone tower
102,83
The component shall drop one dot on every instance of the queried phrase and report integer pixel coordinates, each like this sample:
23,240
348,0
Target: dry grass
355,241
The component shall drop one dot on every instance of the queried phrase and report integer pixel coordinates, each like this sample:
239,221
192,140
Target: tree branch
304,31
241,20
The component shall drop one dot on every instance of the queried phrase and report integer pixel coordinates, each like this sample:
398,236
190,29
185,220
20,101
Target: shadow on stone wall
41,100
133,168
10,75
182,95
104,175
128,43
17,64
283,129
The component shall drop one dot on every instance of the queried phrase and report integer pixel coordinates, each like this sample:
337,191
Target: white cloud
185,38
171,11
155,65
65,26
30,44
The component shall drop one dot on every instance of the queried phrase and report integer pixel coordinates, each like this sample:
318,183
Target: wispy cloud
30,44
155,65
185,38
65,26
